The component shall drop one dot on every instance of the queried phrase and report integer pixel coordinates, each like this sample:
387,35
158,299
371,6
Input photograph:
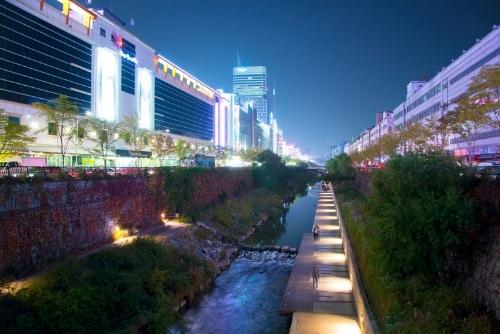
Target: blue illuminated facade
181,113
39,61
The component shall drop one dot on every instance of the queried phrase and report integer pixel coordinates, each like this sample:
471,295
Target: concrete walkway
328,306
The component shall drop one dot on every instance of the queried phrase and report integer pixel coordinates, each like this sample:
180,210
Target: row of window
31,39
429,94
38,56
180,113
128,76
475,66
62,70
18,73
425,113
39,62
482,135
11,11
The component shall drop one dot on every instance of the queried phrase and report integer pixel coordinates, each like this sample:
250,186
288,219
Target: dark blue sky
335,63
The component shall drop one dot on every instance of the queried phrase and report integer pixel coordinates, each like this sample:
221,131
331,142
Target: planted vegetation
133,288
413,235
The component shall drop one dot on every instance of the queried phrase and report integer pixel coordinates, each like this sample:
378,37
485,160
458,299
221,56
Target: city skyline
344,59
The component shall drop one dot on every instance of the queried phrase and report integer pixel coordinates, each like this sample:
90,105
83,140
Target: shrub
340,168
115,290
419,216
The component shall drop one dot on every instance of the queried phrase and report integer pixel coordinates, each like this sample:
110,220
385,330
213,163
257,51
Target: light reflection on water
288,230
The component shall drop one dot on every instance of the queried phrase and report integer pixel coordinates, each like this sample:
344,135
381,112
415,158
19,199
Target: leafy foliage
161,146
13,137
340,168
409,303
63,113
130,288
104,135
133,135
272,174
420,216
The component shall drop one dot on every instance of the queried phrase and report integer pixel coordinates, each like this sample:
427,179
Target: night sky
334,63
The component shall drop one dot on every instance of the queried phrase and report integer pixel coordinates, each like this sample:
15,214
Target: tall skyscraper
250,85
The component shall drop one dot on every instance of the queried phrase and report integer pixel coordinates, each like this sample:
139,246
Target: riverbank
178,263
402,306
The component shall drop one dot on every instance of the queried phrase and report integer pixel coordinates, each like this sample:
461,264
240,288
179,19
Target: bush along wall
128,289
417,238
191,189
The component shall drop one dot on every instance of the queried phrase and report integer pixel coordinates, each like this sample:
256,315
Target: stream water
246,297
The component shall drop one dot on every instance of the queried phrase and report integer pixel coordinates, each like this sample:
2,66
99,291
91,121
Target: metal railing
76,172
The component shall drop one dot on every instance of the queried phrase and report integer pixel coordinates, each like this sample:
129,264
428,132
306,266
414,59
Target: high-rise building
250,85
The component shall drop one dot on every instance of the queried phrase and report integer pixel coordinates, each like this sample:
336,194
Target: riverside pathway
329,307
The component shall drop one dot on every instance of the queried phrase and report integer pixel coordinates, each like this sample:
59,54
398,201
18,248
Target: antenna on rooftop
238,59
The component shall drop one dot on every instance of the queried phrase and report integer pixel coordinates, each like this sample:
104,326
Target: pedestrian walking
316,231
315,275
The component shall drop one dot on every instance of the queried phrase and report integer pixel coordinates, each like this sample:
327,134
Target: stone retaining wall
366,319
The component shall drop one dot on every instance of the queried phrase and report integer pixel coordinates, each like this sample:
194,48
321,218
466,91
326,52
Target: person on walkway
316,231
315,275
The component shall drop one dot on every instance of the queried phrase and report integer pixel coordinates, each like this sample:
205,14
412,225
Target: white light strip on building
145,98
107,84
191,80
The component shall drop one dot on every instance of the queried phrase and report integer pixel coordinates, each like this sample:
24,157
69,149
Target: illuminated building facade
60,47
250,85
430,100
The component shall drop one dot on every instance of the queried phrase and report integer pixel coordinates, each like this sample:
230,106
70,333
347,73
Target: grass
132,288
235,216
411,306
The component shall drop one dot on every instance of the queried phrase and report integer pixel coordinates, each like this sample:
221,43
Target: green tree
161,145
389,144
485,91
221,154
62,115
416,137
104,135
340,168
133,135
13,137
466,121
420,217
441,128
182,149
249,155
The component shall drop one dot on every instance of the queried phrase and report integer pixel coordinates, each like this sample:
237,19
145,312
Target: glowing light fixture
145,98
106,84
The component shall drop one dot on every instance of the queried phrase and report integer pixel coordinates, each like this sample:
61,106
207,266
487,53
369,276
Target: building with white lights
60,47
250,85
426,100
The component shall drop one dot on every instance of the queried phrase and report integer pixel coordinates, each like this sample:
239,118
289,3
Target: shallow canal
246,297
